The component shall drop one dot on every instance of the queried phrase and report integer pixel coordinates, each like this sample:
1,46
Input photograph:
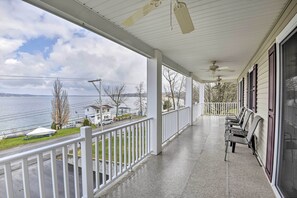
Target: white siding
261,58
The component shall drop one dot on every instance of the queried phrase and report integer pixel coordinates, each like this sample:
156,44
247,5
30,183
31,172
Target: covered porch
236,34
192,165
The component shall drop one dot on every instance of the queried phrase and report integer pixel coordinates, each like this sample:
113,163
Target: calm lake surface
23,113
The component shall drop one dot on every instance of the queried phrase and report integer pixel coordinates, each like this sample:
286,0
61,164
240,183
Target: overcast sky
34,43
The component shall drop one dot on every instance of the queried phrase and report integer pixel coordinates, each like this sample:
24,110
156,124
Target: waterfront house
92,112
255,39
124,110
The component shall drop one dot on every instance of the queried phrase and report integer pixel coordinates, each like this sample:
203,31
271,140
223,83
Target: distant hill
10,94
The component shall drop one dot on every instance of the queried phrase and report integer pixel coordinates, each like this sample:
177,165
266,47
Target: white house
92,112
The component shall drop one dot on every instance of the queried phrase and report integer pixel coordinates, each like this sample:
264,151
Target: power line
12,77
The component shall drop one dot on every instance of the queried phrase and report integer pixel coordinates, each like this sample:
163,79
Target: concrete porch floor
192,165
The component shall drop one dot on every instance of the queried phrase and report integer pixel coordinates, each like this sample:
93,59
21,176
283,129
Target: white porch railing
38,156
107,155
122,148
174,121
197,111
220,108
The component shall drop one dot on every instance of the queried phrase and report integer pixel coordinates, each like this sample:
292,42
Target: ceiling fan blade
145,10
225,69
183,17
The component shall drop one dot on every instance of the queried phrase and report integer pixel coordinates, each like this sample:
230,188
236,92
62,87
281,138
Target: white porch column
189,96
154,100
201,97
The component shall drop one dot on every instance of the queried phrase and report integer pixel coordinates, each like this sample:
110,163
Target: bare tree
60,105
223,92
180,90
117,95
140,100
195,93
171,77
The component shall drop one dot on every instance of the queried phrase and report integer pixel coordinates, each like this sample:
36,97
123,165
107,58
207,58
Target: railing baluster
40,175
75,171
97,179
103,160
133,153
142,138
136,142
109,158
125,149
120,150
8,180
54,174
26,184
65,171
115,153
146,137
129,146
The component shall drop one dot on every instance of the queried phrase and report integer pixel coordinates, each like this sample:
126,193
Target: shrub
53,126
167,104
87,122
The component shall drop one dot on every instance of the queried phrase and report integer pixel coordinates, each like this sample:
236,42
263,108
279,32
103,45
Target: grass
14,142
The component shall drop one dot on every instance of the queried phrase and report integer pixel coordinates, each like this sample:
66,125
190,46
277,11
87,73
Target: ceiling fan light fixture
183,17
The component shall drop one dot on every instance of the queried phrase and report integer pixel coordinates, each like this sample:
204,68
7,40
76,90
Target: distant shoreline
31,95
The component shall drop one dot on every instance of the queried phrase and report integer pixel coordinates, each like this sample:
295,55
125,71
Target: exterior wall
94,114
261,58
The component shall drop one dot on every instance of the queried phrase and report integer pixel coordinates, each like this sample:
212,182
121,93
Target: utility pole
99,89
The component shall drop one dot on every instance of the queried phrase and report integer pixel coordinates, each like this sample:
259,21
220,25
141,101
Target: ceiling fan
216,68
179,8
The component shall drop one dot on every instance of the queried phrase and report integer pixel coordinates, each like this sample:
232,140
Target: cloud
75,53
9,45
11,61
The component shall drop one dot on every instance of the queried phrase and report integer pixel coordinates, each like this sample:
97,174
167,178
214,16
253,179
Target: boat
41,131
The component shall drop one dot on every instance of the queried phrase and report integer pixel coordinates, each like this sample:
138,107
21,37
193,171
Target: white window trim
283,34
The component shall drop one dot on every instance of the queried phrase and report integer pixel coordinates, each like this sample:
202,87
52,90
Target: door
271,111
287,162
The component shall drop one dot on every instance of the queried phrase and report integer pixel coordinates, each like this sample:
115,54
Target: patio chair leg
253,145
233,147
226,150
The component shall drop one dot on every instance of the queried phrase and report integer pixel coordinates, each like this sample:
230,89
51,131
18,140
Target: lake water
23,113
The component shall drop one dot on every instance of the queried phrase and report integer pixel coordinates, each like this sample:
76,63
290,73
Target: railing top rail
119,127
183,108
220,102
169,112
43,149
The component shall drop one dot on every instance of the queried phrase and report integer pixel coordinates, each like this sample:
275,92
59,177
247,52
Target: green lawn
14,142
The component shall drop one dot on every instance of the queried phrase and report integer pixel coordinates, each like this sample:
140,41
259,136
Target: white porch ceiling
228,31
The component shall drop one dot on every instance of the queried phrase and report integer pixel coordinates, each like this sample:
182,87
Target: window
252,89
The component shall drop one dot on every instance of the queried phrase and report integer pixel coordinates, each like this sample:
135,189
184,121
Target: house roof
98,107
124,108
